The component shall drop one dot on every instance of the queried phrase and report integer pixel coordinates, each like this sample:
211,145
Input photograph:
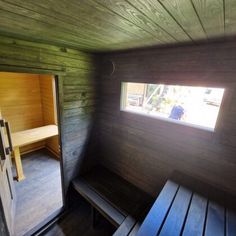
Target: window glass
187,104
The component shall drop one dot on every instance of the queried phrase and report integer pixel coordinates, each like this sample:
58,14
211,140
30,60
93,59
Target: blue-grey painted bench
191,209
120,202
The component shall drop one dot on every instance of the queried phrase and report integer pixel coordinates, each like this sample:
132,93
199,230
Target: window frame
123,100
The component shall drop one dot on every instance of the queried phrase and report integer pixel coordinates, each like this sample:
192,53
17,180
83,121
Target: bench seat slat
108,211
215,220
194,225
125,227
230,223
26,137
128,198
157,214
135,229
176,216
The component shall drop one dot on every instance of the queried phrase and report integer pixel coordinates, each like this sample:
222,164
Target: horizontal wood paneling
27,101
20,102
145,150
76,85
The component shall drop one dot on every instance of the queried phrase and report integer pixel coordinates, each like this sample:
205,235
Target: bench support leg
19,170
94,218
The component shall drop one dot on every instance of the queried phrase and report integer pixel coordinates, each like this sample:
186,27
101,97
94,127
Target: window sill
172,121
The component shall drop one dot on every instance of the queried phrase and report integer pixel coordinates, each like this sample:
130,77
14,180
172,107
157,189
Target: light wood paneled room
118,117
28,107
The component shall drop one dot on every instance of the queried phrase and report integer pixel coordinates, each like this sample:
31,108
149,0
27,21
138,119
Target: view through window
194,105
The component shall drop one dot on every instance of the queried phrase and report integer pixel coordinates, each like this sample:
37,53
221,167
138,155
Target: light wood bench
26,137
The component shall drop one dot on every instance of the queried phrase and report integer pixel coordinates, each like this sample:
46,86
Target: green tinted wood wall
76,92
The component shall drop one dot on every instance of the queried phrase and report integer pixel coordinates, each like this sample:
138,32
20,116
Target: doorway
28,103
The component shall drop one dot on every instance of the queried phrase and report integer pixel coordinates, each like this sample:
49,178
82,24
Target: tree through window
194,105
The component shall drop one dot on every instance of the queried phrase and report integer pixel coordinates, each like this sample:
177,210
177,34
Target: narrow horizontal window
198,106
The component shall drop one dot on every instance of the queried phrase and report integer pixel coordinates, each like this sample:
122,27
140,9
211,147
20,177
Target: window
198,106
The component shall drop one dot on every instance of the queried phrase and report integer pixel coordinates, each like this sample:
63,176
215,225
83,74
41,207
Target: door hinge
8,150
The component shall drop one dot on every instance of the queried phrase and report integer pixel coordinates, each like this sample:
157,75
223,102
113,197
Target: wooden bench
180,210
120,202
26,137
128,227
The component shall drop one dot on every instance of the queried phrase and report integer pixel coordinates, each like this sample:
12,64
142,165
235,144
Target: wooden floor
78,223
40,194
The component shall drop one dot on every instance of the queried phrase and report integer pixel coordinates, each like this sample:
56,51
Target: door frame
3,226
58,78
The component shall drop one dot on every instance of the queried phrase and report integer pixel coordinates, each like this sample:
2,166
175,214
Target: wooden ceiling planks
83,17
155,12
184,13
104,25
211,14
230,17
101,14
133,15
73,26
40,23
31,29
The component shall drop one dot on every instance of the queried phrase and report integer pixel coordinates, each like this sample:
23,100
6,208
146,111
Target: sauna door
7,193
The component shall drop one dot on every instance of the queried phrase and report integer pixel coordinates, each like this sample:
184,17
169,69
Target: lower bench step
103,206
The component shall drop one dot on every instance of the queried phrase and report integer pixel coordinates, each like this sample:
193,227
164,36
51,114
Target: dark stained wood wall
77,96
145,150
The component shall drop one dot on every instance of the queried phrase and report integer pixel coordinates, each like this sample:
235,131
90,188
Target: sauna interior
28,104
118,117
